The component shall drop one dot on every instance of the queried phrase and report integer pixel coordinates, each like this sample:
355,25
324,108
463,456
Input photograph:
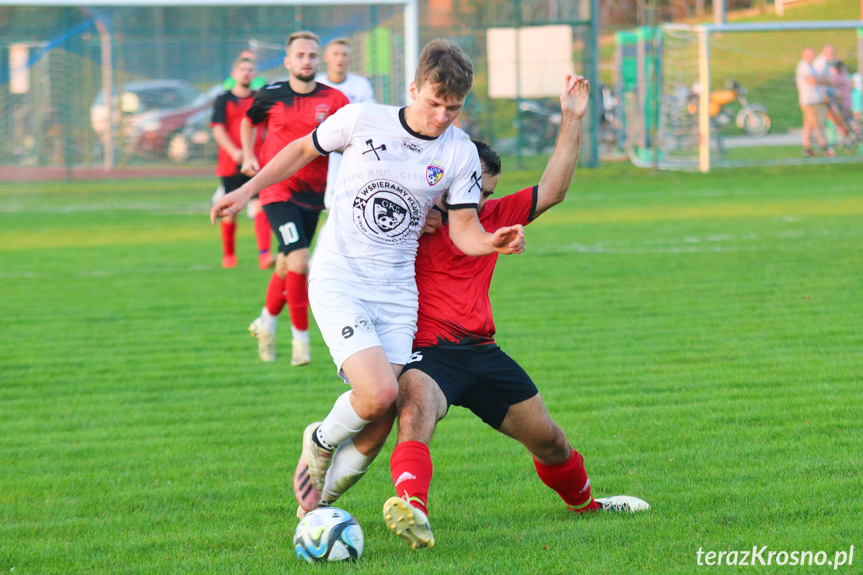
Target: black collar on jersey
408,128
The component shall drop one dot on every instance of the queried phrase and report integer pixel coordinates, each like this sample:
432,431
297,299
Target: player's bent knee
552,447
372,404
412,417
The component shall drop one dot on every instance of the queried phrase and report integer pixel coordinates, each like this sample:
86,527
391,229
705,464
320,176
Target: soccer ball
328,534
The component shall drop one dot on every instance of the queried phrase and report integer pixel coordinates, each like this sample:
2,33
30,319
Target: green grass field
697,336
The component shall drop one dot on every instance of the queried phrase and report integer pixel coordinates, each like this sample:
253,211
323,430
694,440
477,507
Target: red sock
297,292
229,232
569,479
262,232
275,295
411,470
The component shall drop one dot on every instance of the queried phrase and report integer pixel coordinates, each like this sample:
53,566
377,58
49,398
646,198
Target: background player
337,56
229,108
257,82
456,361
397,163
291,110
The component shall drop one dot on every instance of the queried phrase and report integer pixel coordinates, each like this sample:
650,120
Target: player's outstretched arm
250,165
561,165
468,235
285,164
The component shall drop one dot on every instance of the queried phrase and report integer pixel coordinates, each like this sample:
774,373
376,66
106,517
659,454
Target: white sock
301,334
341,423
348,467
268,320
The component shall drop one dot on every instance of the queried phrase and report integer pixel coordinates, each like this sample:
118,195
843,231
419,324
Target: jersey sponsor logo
434,173
321,112
347,331
412,147
386,212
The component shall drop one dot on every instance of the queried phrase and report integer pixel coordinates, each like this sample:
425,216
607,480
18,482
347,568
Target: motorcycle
538,122
753,119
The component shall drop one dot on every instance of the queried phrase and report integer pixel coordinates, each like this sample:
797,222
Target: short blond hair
243,60
301,35
444,64
338,42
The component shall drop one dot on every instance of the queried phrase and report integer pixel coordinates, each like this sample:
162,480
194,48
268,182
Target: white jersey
390,178
356,88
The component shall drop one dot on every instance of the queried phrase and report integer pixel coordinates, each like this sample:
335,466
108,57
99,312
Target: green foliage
697,336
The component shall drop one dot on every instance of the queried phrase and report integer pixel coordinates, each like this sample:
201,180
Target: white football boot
623,503
301,353
266,340
408,522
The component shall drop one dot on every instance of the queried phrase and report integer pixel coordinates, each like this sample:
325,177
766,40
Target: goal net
728,97
164,66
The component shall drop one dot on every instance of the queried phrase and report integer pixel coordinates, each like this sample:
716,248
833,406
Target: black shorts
231,183
481,378
294,226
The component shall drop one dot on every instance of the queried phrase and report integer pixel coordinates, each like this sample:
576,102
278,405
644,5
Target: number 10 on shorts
289,233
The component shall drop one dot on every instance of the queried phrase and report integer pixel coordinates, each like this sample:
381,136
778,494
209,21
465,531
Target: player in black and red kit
457,362
291,110
229,109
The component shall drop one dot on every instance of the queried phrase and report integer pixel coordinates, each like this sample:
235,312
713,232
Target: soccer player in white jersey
398,162
337,56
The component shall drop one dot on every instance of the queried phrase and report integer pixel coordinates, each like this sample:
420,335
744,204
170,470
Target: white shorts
353,318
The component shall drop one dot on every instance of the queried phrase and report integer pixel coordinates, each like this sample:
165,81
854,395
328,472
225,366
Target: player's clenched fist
509,239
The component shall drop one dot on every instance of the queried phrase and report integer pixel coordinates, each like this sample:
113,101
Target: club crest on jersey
434,173
386,212
321,113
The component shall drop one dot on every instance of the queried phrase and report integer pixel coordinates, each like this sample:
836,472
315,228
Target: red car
160,132
151,116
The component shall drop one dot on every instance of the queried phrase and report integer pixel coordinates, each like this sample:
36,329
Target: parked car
151,115
196,139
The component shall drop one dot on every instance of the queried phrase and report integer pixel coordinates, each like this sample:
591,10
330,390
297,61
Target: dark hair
488,158
443,64
839,65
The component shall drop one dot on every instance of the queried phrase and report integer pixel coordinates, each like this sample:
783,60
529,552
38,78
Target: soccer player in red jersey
457,362
229,109
291,110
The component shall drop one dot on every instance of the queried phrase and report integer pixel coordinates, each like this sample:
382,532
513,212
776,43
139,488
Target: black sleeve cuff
318,145
460,206
532,214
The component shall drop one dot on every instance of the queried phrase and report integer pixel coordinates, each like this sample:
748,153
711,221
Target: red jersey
454,307
229,110
290,116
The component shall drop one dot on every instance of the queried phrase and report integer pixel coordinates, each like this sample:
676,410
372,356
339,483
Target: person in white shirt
337,56
811,99
398,162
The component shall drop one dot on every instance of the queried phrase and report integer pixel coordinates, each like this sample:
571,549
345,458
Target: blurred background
164,65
